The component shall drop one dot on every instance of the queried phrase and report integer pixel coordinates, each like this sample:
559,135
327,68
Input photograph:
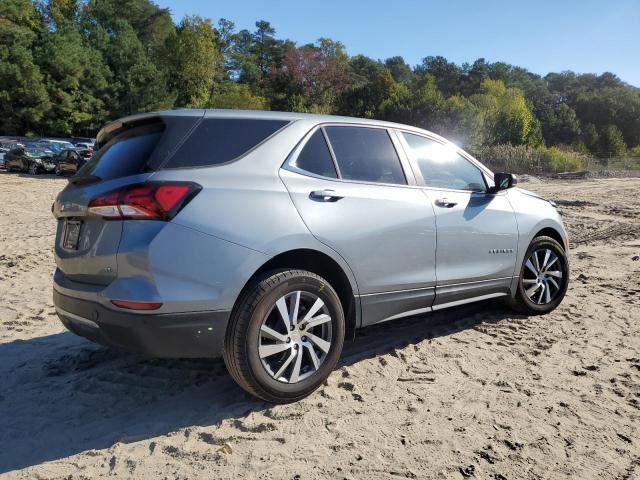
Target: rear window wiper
84,179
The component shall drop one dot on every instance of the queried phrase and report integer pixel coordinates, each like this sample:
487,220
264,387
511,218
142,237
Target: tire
33,169
256,317
531,294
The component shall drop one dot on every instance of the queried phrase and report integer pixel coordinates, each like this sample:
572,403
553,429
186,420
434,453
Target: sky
586,36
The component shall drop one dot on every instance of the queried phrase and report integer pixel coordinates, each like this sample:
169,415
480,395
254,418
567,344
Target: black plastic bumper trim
167,335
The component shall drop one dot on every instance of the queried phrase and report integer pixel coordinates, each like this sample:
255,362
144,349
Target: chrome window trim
288,164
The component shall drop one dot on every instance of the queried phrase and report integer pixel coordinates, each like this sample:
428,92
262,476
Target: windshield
35,153
54,147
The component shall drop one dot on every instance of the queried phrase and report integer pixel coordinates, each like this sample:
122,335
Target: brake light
146,201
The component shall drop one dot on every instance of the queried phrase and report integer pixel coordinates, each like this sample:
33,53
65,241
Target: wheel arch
324,265
552,233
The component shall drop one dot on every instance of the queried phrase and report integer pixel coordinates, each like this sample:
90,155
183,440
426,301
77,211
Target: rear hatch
130,151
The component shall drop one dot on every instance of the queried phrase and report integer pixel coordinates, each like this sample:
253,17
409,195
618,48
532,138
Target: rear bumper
169,335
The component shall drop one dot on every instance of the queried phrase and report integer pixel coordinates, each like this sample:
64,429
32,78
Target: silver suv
268,238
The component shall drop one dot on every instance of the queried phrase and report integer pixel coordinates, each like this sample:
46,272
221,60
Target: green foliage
611,142
400,70
197,62
448,76
236,95
23,95
76,80
461,121
424,102
379,97
555,160
63,11
635,151
507,115
138,85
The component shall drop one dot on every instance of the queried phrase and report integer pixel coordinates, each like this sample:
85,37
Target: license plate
71,234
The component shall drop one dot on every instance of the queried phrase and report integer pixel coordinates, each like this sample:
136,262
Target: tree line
68,66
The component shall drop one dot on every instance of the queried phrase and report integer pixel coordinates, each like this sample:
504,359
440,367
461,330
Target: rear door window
220,140
366,154
125,154
315,157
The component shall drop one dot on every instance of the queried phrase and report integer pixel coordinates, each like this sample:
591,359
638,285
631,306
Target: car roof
256,114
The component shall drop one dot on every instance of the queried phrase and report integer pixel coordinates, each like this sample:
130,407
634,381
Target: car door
477,233
350,187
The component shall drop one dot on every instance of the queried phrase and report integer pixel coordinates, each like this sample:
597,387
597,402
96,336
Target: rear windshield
220,140
125,154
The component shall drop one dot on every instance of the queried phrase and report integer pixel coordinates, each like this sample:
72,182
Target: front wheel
285,335
544,277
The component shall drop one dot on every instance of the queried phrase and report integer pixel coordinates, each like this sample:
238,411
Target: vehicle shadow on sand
62,395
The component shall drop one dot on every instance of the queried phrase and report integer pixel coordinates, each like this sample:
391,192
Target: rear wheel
544,277
285,336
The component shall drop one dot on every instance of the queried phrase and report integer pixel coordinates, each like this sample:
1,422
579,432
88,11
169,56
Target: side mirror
504,181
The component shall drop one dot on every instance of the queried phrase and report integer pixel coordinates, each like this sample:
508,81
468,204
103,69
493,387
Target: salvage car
29,160
69,161
268,238
56,146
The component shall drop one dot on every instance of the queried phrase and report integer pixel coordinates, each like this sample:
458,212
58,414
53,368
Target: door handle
325,195
443,202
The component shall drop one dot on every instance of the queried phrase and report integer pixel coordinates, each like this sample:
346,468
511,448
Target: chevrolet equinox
267,238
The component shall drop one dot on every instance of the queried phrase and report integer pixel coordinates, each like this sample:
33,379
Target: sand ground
473,392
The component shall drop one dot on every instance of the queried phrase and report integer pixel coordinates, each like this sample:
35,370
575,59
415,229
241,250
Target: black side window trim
333,154
288,163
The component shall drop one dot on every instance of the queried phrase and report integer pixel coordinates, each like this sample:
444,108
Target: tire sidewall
324,291
551,244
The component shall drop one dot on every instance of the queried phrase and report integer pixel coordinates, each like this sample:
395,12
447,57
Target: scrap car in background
85,145
56,146
70,160
5,146
29,159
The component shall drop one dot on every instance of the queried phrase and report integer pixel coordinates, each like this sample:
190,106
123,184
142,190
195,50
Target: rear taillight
146,201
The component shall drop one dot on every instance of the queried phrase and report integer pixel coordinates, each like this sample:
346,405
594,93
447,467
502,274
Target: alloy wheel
295,337
543,276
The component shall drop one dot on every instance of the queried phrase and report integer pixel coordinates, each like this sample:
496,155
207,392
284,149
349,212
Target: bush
525,159
635,151
556,160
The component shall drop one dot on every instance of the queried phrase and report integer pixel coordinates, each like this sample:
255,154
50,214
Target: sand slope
473,392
